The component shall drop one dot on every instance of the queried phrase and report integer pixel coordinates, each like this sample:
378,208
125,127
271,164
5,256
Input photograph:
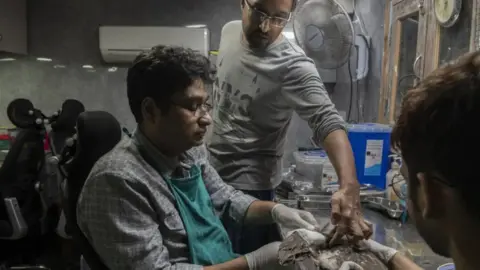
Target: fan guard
325,32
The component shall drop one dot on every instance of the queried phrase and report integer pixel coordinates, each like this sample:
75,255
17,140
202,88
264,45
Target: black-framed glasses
400,185
262,16
198,110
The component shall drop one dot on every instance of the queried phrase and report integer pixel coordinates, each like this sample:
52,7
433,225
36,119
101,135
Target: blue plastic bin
371,147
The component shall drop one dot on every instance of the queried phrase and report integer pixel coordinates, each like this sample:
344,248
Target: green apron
207,238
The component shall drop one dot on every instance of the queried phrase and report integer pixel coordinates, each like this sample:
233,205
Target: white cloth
350,266
313,238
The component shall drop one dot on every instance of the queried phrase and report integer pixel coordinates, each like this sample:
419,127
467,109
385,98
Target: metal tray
368,190
392,208
371,193
315,197
292,196
314,205
289,203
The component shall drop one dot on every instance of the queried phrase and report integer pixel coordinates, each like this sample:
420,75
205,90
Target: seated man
154,201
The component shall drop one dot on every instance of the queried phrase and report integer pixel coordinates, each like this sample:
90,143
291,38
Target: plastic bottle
393,175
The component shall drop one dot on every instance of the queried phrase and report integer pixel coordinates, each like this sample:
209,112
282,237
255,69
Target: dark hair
294,4
435,131
162,71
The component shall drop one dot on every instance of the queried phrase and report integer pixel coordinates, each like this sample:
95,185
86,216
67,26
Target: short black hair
162,71
294,4
435,131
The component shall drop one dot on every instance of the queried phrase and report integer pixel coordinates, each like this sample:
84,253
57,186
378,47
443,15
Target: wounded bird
316,245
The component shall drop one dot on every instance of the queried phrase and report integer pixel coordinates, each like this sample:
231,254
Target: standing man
262,79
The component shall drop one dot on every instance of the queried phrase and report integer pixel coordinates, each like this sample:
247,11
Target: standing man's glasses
262,16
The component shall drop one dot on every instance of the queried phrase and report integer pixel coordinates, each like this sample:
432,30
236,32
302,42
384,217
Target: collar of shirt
165,165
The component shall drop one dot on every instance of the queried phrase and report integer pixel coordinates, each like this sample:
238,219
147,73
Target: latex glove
313,238
293,218
384,253
350,266
265,257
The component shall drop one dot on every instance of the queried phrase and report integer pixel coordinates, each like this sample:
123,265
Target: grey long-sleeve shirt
255,95
128,213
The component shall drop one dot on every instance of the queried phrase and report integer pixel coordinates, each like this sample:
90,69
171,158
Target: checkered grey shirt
128,213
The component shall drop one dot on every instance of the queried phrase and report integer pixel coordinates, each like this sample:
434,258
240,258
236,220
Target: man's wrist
349,184
260,212
400,261
239,263
272,211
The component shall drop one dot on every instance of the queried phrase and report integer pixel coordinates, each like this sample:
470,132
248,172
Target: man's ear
149,108
431,197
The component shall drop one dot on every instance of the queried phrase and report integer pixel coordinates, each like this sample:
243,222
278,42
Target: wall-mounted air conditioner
121,44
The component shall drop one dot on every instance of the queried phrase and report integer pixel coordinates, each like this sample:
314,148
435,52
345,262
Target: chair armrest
61,229
19,226
29,267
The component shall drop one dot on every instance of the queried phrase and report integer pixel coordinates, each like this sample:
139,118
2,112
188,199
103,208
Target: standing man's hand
293,218
347,215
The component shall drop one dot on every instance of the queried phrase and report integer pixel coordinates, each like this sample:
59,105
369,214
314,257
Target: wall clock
447,12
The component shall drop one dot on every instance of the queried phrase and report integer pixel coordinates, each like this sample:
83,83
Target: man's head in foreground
167,94
440,148
264,20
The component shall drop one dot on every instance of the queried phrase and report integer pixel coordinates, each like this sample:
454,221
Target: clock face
447,11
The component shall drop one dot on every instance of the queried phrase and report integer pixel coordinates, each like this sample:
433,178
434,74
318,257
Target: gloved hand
265,257
313,238
384,253
350,266
293,218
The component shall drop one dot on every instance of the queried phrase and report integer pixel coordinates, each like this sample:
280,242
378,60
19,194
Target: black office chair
62,136
64,127
20,204
97,133
21,208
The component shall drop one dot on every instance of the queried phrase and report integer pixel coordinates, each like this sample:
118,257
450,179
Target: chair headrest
22,113
71,109
97,132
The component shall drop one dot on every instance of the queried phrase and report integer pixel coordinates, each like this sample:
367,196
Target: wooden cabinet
404,54
415,45
13,26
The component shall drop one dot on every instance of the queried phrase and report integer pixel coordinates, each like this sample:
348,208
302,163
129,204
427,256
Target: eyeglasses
262,16
400,185
198,110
